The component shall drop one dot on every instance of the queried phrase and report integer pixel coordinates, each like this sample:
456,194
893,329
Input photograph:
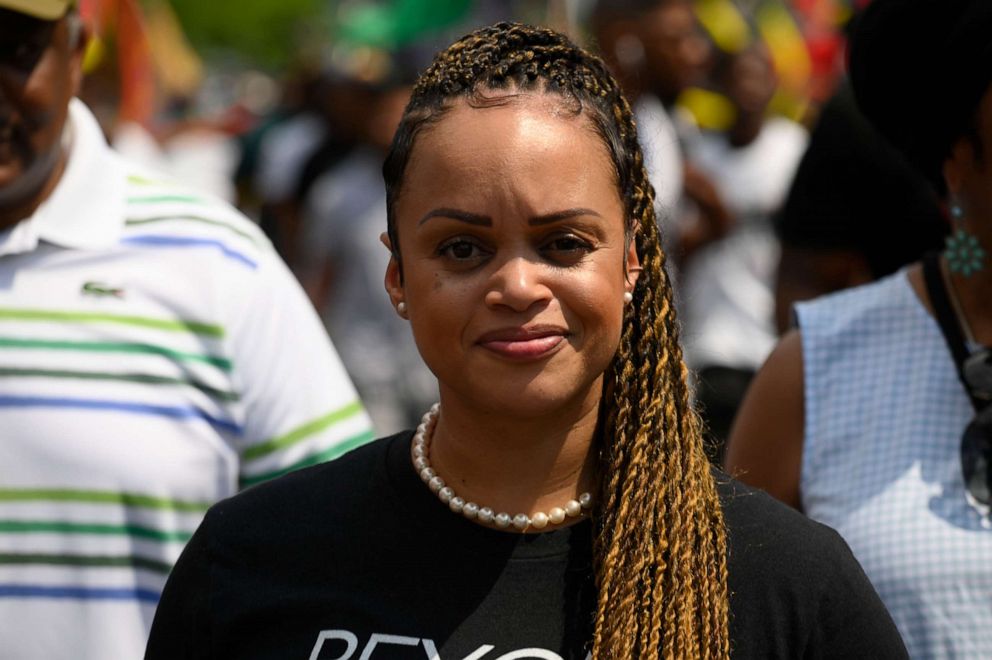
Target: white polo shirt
155,355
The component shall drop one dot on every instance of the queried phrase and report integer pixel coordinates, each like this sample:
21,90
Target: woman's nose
518,284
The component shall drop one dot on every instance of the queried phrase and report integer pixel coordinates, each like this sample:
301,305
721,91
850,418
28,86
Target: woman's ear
962,157
394,279
632,262
384,239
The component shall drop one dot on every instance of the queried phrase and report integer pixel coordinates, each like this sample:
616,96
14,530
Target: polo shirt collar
86,210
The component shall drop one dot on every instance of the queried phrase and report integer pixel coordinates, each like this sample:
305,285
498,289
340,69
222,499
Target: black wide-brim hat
919,69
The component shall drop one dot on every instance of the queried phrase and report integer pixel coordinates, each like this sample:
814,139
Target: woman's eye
568,245
461,250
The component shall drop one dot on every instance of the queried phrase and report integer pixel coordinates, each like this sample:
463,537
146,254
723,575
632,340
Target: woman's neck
515,464
973,294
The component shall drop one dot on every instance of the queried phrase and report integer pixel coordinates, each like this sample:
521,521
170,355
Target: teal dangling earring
964,254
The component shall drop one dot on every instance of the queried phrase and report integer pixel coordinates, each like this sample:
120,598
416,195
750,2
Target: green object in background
268,32
398,22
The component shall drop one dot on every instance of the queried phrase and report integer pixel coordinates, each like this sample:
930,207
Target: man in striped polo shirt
155,356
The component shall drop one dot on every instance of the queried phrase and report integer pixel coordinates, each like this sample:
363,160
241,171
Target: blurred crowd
767,179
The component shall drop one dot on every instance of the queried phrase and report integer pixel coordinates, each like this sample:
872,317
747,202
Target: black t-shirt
357,559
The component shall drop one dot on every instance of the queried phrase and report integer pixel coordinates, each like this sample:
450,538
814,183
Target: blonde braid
687,597
659,546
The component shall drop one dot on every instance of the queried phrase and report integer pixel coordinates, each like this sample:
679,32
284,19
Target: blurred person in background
268,161
306,138
875,415
657,49
155,356
727,286
856,211
616,33
341,262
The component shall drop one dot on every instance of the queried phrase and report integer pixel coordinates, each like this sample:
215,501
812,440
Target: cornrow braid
660,544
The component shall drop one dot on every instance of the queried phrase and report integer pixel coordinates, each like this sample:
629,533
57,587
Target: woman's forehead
520,137
508,122
522,155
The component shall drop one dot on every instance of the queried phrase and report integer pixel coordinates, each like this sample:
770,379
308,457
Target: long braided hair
660,545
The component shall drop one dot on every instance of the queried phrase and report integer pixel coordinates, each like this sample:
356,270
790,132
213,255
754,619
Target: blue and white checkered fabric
885,412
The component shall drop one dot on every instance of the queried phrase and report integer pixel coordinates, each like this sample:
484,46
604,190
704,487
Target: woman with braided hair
558,502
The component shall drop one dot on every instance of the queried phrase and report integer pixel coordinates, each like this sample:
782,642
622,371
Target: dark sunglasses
23,41
976,443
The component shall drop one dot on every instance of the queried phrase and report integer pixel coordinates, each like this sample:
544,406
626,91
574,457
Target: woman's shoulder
849,308
751,515
335,474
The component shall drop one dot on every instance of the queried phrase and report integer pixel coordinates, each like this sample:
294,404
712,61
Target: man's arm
300,405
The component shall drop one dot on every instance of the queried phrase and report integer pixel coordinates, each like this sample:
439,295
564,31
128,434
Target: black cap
919,69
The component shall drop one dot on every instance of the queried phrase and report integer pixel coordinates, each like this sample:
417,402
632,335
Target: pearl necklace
471,510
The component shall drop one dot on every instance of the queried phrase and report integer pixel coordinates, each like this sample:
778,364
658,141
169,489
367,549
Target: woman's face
511,231
968,171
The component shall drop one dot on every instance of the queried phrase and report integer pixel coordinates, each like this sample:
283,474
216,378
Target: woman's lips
523,343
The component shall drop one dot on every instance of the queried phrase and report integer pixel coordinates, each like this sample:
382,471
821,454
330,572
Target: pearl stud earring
628,297
401,308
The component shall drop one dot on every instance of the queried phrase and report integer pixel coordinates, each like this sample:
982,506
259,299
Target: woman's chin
533,399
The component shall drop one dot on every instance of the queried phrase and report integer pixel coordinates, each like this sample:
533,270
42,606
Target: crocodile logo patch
102,290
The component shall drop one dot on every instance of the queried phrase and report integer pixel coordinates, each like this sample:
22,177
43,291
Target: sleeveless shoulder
884,416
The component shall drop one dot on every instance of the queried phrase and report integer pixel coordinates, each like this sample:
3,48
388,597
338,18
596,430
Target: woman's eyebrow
456,214
548,218
486,221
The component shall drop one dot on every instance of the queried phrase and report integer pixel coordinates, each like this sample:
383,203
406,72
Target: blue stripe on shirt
176,412
77,593
182,241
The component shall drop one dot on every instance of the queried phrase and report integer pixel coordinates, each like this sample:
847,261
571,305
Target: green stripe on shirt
302,432
164,199
326,455
59,527
206,329
139,180
114,347
146,379
88,561
100,497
